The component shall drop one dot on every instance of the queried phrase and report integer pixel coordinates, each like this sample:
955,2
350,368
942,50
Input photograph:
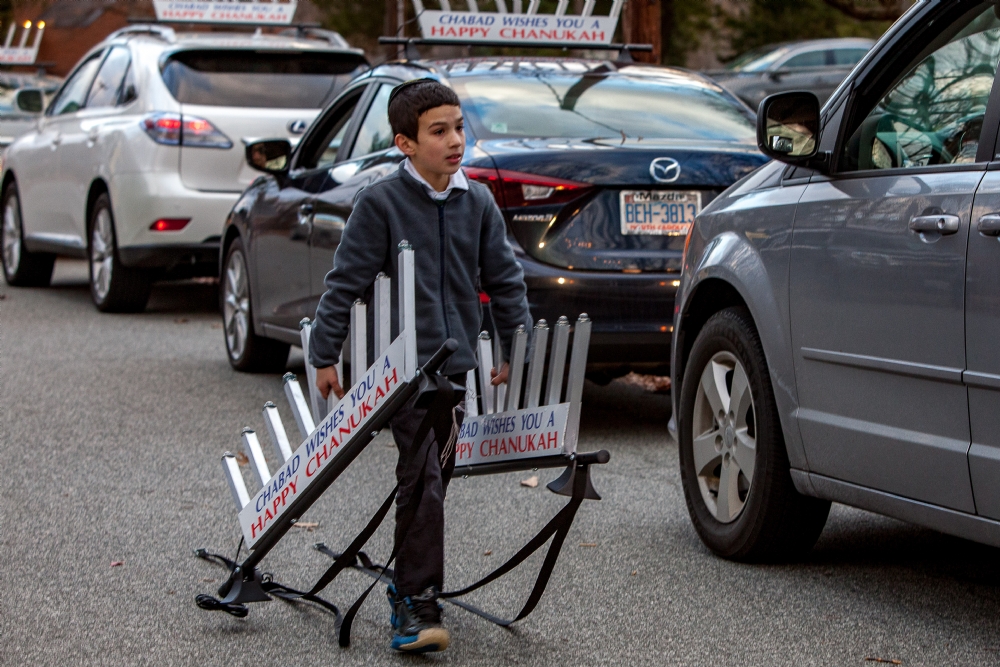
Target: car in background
838,312
598,167
139,157
816,65
22,99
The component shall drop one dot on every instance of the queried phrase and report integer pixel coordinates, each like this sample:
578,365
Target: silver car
836,323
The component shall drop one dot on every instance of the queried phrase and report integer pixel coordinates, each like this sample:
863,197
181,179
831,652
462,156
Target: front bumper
632,313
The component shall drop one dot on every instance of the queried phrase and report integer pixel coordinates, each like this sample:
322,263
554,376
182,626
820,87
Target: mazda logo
665,169
297,126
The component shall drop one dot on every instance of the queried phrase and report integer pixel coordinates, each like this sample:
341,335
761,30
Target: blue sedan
599,168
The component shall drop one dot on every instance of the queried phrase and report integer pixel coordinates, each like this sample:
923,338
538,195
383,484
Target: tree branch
868,10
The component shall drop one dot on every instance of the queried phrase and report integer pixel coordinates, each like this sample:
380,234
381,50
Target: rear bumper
198,258
632,314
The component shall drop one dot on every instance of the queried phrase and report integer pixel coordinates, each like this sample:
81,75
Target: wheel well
97,188
232,233
709,297
7,180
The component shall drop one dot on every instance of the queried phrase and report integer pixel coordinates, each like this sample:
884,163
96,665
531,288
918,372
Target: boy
459,241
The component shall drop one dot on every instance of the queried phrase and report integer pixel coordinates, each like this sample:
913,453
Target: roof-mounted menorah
22,53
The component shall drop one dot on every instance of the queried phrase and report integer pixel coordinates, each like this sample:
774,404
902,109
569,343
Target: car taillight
169,224
514,188
173,129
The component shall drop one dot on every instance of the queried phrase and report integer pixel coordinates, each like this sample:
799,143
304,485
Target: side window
807,59
107,85
74,91
848,57
335,135
375,134
933,114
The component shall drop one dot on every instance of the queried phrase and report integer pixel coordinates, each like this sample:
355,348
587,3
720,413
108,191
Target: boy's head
426,118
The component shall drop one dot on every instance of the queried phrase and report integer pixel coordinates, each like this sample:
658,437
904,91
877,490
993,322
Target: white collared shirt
457,180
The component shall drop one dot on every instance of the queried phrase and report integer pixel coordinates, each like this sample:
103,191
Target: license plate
658,212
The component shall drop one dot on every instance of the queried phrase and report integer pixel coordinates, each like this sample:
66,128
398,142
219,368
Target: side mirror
29,100
788,127
269,155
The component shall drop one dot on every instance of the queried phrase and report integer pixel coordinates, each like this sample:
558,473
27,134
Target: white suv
138,159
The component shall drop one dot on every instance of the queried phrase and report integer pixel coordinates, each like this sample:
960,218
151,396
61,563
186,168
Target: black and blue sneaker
390,596
416,622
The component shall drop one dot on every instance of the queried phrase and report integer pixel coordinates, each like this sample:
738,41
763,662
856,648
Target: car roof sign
254,12
21,54
518,27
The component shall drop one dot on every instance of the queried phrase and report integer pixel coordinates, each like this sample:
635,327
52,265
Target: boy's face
440,142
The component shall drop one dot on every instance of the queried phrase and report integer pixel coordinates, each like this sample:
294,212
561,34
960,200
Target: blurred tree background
694,33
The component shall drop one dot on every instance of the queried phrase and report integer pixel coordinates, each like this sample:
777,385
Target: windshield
758,59
602,105
236,78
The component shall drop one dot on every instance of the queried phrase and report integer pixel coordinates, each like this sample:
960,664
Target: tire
21,268
114,287
246,350
734,465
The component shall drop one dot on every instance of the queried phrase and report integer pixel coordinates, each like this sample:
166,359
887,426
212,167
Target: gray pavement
110,435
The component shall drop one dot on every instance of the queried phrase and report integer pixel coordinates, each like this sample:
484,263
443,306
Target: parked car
835,335
23,97
598,168
139,157
817,65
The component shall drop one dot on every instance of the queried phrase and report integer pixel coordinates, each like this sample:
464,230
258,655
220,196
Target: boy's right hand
327,381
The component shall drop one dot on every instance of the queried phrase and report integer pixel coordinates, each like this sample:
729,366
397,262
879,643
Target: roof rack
164,32
624,50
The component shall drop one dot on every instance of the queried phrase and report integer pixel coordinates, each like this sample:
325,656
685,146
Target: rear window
600,105
245,78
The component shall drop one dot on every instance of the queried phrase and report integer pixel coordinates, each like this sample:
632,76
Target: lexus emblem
297,126
665,170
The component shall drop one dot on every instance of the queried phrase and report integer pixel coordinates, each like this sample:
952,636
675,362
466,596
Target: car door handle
305,214
942,223
989,225
56,140
92,135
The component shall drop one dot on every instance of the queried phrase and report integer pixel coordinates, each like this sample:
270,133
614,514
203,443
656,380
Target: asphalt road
110,436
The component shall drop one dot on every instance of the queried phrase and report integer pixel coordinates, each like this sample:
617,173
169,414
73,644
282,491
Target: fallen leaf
658,384
531,482
488,552
635,572
588,544
308,525
242,459
208,580
171,592
116,563
888,661
181,320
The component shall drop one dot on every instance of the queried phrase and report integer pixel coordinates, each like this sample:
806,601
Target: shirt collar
456,181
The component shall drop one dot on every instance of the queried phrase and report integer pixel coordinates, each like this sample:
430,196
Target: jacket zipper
444,308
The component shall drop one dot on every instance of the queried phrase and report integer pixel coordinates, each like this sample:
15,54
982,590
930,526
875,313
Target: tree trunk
641,24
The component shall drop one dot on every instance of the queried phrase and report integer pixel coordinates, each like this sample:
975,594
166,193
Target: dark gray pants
420,561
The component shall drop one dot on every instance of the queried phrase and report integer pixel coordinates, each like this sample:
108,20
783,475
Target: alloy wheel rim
101,254
11,237
236,305
724,442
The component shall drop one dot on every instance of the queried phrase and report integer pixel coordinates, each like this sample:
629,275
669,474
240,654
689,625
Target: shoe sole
428,641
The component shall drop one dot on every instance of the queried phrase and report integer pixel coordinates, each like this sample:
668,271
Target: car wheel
21,268
247,351
734,466
115,288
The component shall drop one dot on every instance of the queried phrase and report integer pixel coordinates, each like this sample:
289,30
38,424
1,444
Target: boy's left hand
499,377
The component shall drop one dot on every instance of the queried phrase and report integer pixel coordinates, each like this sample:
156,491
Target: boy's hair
409,100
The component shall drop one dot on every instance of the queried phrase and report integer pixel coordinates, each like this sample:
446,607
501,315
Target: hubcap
236,305
11,237
101,254
724,437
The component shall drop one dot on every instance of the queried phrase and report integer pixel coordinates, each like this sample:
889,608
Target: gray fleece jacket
460,245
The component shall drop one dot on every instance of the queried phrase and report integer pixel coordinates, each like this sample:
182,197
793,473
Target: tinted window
848,56
600,105
934,114
334,137
73,94
375,134
255,79
104,92
807,59
757,59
